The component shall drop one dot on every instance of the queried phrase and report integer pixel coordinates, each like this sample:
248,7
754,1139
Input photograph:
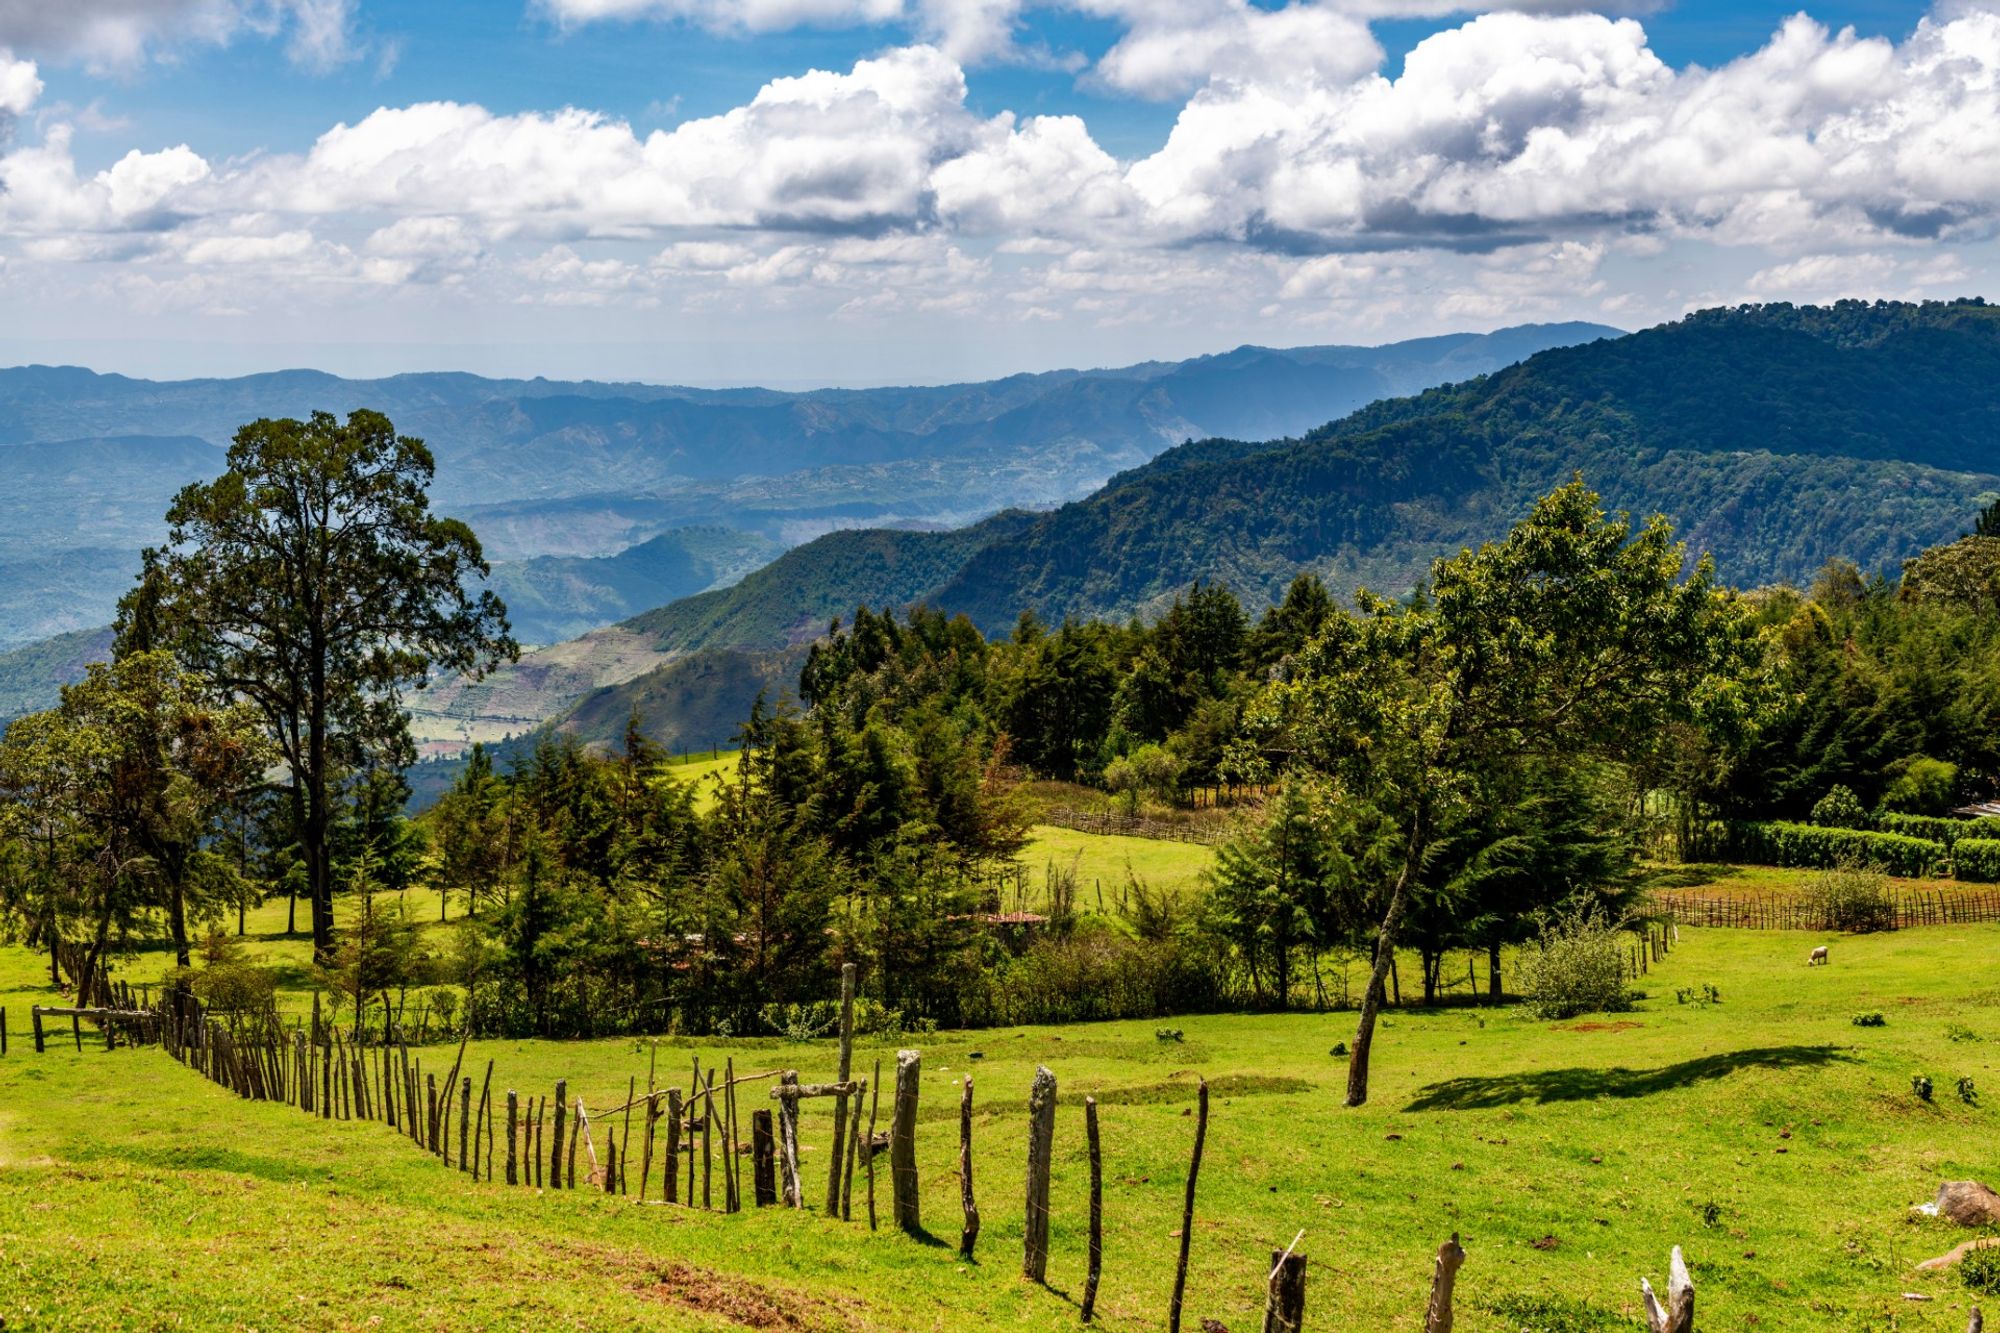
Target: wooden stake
1285,1293
903,1142
1187,1208
788,1139
1450,1256
1041,1140
631,1086
874,1105
670,1165
513,1131
1678,1316
556,1136
652,1123
732,1168
707,1138
840,1106
763,1160
968,1234
464,1119
1096,1209
485,1116
579,1130
853,1148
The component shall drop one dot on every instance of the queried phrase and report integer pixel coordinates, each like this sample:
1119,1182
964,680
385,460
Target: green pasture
1779,1143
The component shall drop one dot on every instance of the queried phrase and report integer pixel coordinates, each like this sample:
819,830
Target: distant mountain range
581,469
1775,438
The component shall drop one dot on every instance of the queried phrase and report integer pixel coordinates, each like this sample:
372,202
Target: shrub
1937,828
1980,1271
1925,787
1840,808
1968,1091
1809,846
1575,966
229,981
1169,1034
1976,859
1870,1021
1921,1085
1852,898
1959,1032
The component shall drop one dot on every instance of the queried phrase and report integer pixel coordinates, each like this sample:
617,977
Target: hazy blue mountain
550,598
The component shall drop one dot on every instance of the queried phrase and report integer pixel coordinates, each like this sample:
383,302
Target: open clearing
133,1194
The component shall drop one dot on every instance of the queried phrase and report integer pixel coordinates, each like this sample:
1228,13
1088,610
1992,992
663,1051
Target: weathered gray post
35,1015
788,1136
969,1234
1678,1316
1285,1297
903,1142
1451,1256
874,1105
840,1104
1041,1140
670,1162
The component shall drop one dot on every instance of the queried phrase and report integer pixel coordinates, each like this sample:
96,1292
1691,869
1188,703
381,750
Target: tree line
1442,770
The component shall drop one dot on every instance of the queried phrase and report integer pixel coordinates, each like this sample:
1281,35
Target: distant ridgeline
1775,437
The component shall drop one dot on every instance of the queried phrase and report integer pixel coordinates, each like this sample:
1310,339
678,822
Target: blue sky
1092,181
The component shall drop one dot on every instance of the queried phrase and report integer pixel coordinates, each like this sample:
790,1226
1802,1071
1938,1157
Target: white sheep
1818,957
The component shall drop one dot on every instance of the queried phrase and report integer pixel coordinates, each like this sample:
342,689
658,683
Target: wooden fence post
1187,1208
1450,1256
513,1132
556,1136
1678,1316
874,1105
3,1029
1041,1141
35,1016
968,1235
1096,1209
840,1103
1285,1294
670,1164
788,1138
763,1160
903,1142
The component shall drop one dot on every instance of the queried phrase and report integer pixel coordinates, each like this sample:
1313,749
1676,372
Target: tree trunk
1385,957
177,922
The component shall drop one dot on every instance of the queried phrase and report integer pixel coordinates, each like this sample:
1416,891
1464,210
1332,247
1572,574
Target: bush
1980,1271
1812,847
1976,859
1921,1085
1870,1021
1853,898
1925,787
1575,966
1840,808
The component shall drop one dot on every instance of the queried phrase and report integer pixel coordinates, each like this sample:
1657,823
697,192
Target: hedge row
1946,831
1977,859
1817,848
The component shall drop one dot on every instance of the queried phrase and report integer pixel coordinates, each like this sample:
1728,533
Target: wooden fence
1775,911
1207,832
323,1073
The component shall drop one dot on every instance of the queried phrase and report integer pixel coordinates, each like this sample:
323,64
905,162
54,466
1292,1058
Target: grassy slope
134,1195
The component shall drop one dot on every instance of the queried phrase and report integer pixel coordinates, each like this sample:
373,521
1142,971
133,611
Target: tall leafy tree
1574,637
312,579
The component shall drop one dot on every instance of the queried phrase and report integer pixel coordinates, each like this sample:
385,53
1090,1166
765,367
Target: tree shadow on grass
206,1159
1583,1085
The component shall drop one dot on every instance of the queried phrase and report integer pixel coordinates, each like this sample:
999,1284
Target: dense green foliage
1778,843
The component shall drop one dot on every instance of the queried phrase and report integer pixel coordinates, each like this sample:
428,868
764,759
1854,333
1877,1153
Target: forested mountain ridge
583,469
1774,437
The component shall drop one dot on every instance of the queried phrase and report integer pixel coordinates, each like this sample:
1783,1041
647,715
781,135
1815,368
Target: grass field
1775,1140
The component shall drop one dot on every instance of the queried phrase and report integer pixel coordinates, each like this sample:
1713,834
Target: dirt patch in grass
740,1301
1622,1025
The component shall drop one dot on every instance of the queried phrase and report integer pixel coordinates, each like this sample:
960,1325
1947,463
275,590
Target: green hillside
551,598
1776,437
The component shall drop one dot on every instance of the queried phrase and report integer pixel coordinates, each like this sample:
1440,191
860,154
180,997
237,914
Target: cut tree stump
1444,1278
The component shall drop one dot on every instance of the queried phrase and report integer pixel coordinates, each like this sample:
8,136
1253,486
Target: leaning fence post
874,1105
968,1235
1096,1209
1187,1209
1450,1256
1678,1316
1285,1291
1041,1140
903,1142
